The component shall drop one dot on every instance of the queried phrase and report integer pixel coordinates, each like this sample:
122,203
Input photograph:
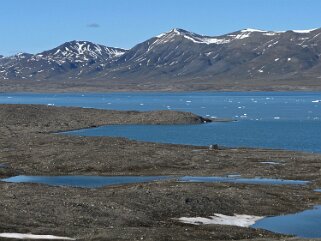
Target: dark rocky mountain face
179,56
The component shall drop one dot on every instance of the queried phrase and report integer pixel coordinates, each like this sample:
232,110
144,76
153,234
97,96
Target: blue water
100,181
291,135
84,181
264,181
265,119
305,224
256,105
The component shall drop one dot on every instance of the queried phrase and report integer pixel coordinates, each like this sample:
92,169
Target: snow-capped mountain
242,55
179,57
69,58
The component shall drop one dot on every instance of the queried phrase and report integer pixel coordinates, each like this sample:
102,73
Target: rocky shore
29,145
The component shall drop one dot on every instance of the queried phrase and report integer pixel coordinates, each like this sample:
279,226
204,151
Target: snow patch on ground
32,236
239,220
270,163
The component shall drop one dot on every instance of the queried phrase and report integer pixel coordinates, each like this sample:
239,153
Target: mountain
181,60
68,59
246,54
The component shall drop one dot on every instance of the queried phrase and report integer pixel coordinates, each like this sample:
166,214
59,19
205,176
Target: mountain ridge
180,57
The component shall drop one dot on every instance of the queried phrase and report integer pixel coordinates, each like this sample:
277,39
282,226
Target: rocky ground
29,146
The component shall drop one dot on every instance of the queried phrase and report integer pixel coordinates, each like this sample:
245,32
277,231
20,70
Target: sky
36,25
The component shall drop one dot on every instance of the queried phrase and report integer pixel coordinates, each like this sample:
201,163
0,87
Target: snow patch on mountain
304,31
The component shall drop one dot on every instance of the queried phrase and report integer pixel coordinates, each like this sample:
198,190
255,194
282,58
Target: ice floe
239,220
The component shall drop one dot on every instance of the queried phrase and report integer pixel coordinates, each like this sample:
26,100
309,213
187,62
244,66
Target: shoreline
147,210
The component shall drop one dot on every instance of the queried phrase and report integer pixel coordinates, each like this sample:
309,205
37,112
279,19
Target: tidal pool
100,181
84,181
256,180
304,224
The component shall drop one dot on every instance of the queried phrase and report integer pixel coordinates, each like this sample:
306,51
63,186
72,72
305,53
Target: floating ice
239,220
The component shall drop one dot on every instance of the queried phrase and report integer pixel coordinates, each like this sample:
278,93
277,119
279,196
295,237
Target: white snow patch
271,163
32,236
245,33
270,33
239,220
160,35
207,40
304,31
215,41
253,30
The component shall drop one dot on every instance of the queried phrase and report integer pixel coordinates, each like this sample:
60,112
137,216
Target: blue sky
36,25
